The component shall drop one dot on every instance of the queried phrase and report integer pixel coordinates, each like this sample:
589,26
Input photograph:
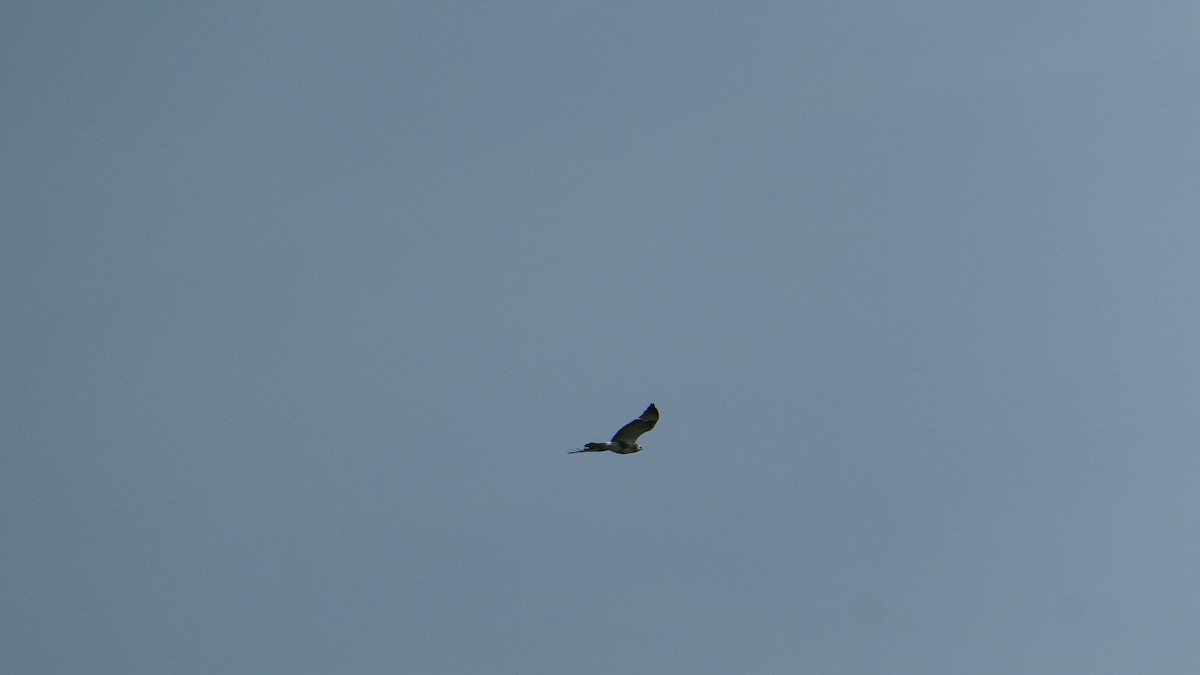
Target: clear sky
303,305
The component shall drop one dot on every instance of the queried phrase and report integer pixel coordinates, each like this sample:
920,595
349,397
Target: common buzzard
624,442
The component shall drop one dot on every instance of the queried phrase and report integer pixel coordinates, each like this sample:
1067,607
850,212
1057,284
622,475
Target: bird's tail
592,447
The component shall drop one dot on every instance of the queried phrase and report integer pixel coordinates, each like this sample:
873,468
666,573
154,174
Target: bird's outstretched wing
630,432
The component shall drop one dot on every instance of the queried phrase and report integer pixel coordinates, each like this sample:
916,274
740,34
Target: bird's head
626,447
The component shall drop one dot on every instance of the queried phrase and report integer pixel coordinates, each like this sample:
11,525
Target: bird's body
624,442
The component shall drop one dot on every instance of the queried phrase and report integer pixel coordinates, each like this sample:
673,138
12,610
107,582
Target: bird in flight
624,442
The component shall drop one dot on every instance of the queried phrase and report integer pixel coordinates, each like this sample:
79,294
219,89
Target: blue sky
305,303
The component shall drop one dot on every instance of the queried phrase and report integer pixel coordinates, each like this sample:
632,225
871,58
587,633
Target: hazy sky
303,305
